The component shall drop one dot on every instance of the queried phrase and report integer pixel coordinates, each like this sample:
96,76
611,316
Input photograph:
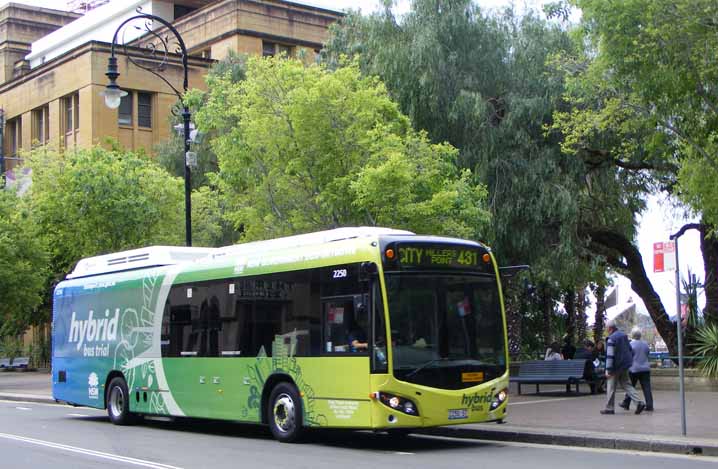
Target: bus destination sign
440,256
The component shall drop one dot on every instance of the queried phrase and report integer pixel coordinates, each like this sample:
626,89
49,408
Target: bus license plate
457,414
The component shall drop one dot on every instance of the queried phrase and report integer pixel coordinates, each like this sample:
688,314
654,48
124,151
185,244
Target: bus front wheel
118,402
284,413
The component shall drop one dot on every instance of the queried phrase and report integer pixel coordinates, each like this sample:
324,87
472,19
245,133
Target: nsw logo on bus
93,383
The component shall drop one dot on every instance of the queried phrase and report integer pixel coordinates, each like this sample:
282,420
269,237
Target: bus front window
447,330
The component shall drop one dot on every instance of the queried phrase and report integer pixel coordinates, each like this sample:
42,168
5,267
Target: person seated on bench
588,352
552,353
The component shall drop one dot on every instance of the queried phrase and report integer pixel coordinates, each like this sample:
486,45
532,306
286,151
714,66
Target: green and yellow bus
363,328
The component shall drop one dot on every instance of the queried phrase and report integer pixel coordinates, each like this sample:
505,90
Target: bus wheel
284,413
118,403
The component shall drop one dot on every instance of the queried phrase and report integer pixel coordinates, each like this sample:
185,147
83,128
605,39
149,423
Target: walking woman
640,370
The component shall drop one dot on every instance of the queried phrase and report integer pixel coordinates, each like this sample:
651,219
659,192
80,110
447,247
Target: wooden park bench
568,372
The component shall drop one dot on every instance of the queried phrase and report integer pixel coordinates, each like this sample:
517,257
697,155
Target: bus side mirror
367,271
511,270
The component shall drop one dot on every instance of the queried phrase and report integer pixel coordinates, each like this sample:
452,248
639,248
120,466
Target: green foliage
302,148
23,265
484,84
699,190
94,201
10,347
170,153
706,347
656,58
209,226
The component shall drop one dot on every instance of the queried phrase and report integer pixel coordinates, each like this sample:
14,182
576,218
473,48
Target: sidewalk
29,386
552,417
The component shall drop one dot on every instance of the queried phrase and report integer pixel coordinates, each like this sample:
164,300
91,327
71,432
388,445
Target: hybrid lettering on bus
365,328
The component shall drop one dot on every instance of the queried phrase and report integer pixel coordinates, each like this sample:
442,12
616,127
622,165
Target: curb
655,444
34,398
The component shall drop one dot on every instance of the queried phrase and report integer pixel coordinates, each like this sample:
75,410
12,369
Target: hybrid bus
363,328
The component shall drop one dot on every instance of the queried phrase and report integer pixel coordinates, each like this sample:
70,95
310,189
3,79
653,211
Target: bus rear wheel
284,413
118,403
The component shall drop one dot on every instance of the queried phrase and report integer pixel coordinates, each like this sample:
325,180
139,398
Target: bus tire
284,413
118,403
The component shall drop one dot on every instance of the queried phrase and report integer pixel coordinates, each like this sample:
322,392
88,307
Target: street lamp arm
684,228
152,48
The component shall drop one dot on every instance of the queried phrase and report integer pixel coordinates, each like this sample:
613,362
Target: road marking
402,453
88,452
5,401
542,400
639,453
22,408
77,415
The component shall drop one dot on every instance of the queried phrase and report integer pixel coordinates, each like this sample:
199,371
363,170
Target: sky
659,221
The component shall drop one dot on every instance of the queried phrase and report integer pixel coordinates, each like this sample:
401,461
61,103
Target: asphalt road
42,435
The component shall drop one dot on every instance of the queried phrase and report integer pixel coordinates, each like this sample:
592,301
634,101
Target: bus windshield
447,331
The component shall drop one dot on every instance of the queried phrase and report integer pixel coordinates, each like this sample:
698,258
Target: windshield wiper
429,363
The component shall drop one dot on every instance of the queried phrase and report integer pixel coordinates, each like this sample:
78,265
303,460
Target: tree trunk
570,306
581,325
709,248
546,311
640,283
600,318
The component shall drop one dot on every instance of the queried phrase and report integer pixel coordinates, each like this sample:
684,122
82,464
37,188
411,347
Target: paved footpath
552,417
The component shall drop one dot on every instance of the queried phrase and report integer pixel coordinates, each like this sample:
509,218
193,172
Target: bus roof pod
155,256
308,239
152,256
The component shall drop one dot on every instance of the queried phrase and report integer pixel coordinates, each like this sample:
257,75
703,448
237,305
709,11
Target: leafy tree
486,84
95,201
302,148
643,115
23,261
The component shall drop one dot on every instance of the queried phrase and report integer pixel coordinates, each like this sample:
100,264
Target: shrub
706,347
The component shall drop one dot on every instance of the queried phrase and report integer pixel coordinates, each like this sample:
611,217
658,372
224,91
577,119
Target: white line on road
23,408
542,400
77,415
585,449
89,452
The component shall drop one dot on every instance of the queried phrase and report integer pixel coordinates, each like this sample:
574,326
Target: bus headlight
398,403
499,398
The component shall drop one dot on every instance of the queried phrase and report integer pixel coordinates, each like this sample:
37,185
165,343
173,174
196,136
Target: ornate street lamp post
158,52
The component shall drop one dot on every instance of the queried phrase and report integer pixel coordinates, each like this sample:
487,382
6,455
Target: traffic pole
679,331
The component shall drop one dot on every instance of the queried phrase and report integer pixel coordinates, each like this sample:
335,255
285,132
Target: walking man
619,358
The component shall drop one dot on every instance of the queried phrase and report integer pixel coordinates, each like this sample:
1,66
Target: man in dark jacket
619,358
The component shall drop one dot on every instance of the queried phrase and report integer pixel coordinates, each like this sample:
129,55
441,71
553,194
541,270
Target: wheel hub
284,413
117,401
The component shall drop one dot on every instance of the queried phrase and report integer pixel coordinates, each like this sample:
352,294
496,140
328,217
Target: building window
284,51
270,49
71,113
144,109
128,113
124,116
13,131
181,10
40,125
